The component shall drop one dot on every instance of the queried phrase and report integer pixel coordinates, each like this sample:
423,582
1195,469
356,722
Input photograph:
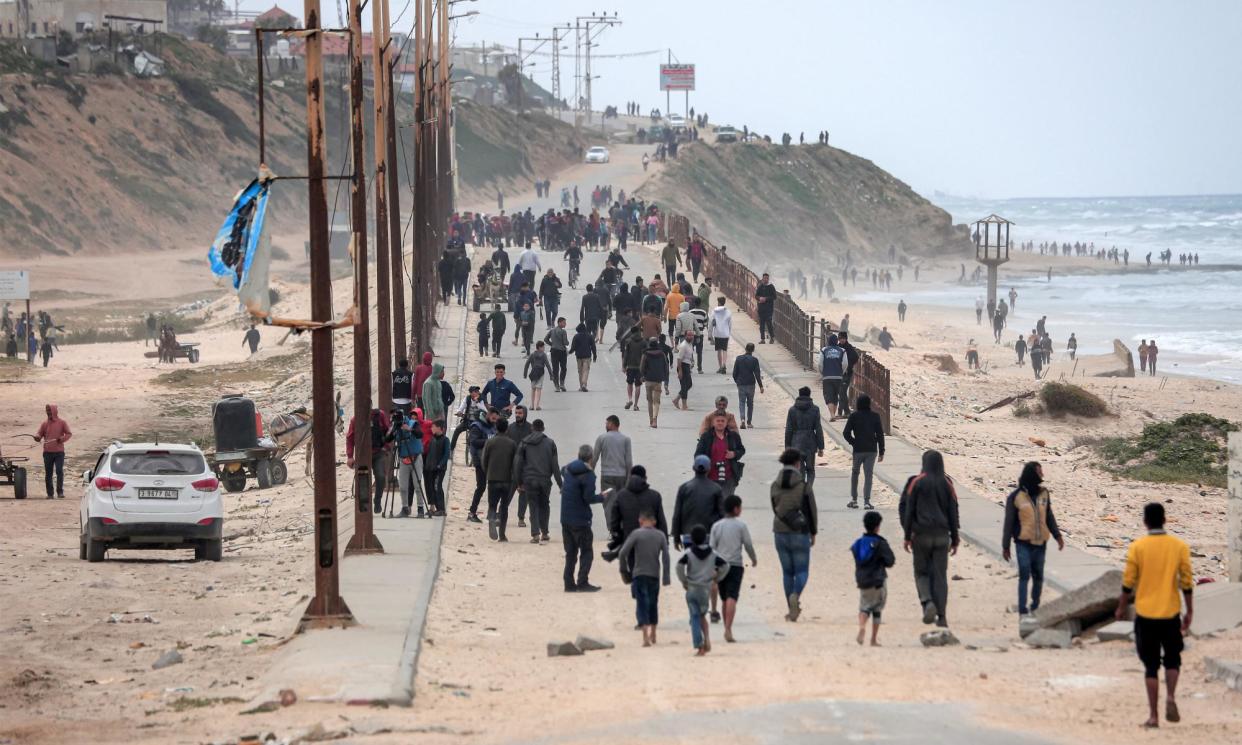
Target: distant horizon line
940,192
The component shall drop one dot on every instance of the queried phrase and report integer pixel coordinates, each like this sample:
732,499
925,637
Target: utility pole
327,607
383,299
668,93
587,22
421,314
521,65
363,540
397,261
556,62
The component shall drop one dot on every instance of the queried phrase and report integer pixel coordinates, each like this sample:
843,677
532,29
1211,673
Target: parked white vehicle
597,154
676,122
151,496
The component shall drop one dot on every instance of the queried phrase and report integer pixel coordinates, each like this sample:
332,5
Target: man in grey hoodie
699,569
534,467
613,455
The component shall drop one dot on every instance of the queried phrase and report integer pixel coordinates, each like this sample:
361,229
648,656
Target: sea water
1194,315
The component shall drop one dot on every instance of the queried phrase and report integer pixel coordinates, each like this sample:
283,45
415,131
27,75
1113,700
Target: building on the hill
45,18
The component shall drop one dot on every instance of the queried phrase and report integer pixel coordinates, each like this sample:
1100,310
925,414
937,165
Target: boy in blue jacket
872,558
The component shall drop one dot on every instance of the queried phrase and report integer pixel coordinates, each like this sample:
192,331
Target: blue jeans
697,602
794,551
646,592
1030,568
746,403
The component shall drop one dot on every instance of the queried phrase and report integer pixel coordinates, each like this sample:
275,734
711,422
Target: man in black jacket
747,375
929,518
724,450
700,501
864,431
550,295
852,355
765,299
519,429
591,311
534,467
804,432
497,458
626,505
584,351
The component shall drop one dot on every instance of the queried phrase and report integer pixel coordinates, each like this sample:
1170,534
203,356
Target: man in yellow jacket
1157,568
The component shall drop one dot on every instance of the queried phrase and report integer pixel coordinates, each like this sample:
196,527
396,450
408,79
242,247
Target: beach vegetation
1061,399
1188,450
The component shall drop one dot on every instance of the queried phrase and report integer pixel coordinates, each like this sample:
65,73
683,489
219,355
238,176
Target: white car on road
151,496
597,154
676,122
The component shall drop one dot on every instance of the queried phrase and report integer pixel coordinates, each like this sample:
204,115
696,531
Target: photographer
408,434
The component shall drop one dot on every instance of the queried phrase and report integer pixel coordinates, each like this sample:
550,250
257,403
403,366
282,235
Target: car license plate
158,493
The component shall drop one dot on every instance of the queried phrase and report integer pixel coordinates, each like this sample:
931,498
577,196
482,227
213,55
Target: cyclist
574,255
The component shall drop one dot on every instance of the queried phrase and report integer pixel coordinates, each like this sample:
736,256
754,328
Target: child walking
646,551
872,558
729,538
697,569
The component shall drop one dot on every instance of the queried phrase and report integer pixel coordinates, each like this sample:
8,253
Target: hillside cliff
801,202
100,164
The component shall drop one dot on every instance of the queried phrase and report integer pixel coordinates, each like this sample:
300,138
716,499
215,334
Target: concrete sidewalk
374,661
981,518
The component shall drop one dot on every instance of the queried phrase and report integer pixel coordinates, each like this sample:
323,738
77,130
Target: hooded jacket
637,497
480,431
700,501
632,353
536,461
592,308
583,344
519,430
578,494
699,567
433,395
790,492
927,509
804,430
422,372
654,366
497,459
864,431
721,324
54,432
833,362
685,322
673,302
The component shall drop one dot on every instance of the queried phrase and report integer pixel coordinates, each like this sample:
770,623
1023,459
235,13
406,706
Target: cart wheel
263,473
193,356
234,482
280,472
19,483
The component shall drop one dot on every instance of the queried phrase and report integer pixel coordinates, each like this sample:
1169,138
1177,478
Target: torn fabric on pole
242,249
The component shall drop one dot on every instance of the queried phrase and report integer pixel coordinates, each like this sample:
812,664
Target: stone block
1056,637
590,644
1116,631
1086,603
1226,671
938,638
563,649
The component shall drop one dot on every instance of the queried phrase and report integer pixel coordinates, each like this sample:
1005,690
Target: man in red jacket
54,433
421,373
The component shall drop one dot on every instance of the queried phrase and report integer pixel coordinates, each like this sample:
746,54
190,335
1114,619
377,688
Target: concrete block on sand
589,644
168,659
1057,637
1226,671
1027,625
1218,607
1087,603
938,638
1117,631
563,649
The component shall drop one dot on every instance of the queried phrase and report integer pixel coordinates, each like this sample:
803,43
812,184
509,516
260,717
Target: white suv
151,495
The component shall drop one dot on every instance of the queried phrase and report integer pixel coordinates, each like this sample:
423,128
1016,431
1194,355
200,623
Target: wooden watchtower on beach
992,245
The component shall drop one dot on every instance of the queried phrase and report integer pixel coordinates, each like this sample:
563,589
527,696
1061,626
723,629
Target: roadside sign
676,77
15,285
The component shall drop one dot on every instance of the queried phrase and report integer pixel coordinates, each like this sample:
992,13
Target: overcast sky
974,97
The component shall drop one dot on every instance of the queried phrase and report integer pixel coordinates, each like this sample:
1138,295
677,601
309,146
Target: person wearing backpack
833,364
794,525
872,559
